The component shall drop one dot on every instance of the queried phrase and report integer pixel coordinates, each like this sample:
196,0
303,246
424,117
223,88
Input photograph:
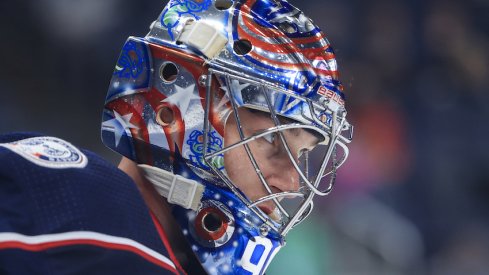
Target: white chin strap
175,188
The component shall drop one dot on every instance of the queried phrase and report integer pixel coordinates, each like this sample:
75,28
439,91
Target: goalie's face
270,156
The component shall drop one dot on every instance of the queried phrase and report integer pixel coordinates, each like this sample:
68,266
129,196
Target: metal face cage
315,168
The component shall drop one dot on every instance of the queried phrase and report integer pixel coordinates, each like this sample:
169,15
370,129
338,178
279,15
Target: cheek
236,169
241,172
239,167
235,162
238,163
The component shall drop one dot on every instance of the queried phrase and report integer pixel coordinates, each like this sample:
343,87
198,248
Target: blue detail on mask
133,71
257,254
196,143
131,62
170,18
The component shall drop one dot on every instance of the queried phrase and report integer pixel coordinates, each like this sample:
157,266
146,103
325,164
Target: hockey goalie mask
234,111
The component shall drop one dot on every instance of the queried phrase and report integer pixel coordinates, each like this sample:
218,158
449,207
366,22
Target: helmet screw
264,229
202,80
324,101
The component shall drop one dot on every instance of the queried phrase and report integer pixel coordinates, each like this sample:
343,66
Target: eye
270,137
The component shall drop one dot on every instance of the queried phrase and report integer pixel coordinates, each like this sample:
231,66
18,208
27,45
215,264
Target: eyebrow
285,120
297,131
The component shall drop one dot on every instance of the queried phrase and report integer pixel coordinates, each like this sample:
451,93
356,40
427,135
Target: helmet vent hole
165,116
242,47
168,72
212,222
223,4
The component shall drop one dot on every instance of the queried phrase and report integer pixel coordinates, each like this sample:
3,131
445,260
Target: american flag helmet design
173,90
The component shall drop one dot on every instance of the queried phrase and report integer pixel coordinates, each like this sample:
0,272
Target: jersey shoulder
61,186
52,192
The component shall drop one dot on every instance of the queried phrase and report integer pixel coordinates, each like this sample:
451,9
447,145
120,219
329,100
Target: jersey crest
49,152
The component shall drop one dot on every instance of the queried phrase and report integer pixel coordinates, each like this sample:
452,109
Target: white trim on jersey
81,237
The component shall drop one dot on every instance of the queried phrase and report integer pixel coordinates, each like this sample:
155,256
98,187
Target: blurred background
413,197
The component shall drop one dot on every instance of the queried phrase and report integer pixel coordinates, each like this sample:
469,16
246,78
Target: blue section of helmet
133,69
263,9
229,258
131,62
257,254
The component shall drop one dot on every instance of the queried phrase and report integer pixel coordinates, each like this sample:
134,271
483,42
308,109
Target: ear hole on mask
242,47
212,222
168,72
223,4
165,116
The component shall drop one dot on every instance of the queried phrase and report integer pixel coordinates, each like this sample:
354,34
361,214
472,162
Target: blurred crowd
413,198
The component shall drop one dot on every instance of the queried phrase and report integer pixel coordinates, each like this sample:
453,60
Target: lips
271,212
266,209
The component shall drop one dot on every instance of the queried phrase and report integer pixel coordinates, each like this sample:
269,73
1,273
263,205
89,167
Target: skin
270,155
272,158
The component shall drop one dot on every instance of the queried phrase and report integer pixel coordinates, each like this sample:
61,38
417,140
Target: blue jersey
64,210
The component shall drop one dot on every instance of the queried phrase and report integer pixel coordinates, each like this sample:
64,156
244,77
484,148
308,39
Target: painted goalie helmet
220,88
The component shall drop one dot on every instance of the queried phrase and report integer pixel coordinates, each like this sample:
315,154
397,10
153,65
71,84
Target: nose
283,175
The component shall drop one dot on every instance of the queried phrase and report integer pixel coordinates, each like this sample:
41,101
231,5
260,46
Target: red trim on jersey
55,244
166,243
